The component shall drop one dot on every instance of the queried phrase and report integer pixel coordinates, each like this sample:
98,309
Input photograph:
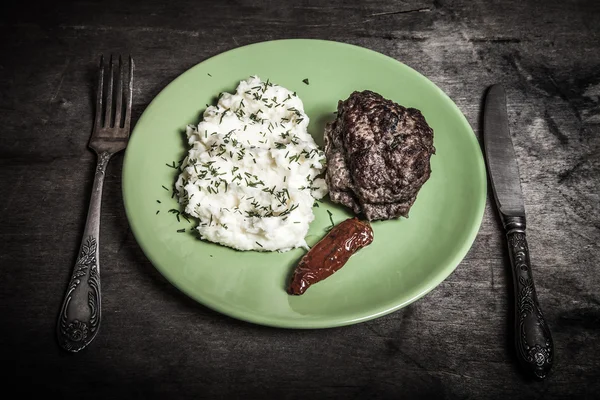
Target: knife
533,340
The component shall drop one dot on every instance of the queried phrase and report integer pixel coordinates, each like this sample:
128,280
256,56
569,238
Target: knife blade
533,340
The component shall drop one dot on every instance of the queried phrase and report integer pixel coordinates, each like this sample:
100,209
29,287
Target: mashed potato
250,176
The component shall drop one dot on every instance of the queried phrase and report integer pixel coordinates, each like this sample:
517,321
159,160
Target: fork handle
79,318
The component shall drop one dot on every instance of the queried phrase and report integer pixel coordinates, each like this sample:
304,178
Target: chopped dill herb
330,219
395,142
176,212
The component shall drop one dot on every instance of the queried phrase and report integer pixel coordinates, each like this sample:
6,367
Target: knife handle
535,349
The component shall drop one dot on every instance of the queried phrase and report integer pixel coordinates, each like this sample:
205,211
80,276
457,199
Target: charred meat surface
378,155
330,254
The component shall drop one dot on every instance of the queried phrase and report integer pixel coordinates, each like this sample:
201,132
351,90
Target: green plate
408,258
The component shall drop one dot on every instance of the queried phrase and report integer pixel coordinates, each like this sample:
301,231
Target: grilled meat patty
378,155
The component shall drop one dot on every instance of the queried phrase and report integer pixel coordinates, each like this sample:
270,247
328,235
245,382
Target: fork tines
114,113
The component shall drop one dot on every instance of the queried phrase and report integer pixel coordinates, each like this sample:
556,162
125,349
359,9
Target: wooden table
155,342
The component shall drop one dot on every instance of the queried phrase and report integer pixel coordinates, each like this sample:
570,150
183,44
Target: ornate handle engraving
79,318
535,349
103,159
80,313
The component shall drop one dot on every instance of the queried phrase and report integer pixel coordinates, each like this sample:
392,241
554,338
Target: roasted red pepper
331,253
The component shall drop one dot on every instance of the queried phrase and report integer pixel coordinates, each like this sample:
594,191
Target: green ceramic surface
408,258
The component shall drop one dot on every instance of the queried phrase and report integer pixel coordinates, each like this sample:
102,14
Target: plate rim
329,322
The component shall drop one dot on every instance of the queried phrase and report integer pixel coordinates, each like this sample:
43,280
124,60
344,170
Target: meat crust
378,156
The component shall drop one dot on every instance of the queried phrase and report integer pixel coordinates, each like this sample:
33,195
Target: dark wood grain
155,342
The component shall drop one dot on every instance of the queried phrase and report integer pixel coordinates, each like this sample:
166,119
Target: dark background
155,342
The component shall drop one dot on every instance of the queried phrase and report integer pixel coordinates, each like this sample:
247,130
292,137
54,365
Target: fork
79,318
